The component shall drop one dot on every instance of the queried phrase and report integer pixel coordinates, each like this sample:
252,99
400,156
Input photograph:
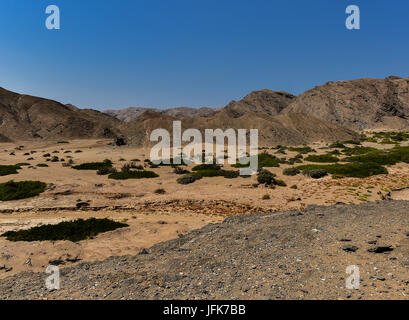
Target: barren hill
286,255
358,104
27,117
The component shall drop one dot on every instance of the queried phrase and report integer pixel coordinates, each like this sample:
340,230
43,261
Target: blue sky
163,53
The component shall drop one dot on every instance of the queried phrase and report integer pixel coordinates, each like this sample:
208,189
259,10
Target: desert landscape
331,191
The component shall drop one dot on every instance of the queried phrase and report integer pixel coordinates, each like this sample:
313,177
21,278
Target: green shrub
9,169
336,145
94,165
105,171
266,177
302,150
160,191
316,173
321,158
20,190
74,231
179,170
280,183
291,171
133,175
189,178
230,174
383,157
202,167
264,160
353,170
358,150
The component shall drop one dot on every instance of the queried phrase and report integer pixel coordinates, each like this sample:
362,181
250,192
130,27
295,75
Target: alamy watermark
53,281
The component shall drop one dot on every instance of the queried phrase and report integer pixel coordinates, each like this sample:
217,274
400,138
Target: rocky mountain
132,113
27,117
260,102
291,129
358,104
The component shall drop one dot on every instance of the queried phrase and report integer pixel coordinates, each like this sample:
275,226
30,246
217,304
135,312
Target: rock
380,249
349,248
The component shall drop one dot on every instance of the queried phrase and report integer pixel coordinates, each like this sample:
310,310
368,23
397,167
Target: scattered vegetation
189,178
74,231
160,191
302,150
9,169
353,170
94,165
141,174
326,158
291,171
316,173
179,170
20,190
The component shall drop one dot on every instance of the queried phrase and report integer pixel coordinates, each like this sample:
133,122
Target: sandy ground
152,218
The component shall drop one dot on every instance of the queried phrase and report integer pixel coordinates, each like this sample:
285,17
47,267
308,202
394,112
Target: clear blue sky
166,53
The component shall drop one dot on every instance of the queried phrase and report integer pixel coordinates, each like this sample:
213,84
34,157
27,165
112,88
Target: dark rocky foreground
287,255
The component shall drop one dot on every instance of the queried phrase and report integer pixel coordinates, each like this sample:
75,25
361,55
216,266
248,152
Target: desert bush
94,165
20,190
291,171
55,159
202,167
321,158
266,197
266,177
9,169
353,170
133,175
42,165
78,151
74,231
358,150
264,160
302,150
22,164
280,183
46,155
383,157
315,173
189,178
336,145
179,170
229,174
105,171
160,191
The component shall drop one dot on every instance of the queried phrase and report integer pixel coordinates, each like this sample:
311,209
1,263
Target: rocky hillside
286,255
27,117
132,113
358,104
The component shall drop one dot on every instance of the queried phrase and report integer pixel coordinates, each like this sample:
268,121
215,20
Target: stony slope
27,117
358,104
132,113
287,255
